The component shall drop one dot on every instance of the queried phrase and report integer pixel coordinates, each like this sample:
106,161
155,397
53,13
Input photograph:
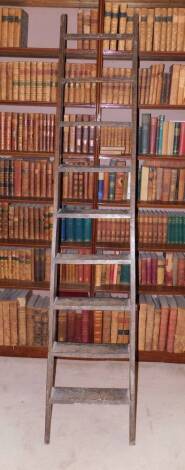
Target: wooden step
93,169
90,396
91,303
96,124
97,36
63,258
97,80
90,351
93,213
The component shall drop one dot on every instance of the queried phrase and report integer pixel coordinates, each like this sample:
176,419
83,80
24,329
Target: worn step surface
93,169
93,214
98,36
92,259
90,351
91,303
90,396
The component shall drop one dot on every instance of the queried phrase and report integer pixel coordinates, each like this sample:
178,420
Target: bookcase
151,160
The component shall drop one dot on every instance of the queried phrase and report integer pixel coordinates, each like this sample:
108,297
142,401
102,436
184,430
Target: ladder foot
49,408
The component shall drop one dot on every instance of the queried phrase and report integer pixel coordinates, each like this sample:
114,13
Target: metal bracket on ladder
91,351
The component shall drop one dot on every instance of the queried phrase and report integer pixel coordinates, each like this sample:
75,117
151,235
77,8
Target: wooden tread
97,36
93,169
96,80
91,303
90,351
90,396
63,258
93,213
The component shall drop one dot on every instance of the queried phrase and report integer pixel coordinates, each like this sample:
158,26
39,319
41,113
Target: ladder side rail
51,364
132,366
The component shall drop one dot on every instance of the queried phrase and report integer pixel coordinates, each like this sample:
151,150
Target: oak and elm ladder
66,395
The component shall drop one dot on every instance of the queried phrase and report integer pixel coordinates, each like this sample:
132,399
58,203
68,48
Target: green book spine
169,230
145,136
180,238
112,182
160,135
176,138
78,230
87,230
183,229
70,230
125,275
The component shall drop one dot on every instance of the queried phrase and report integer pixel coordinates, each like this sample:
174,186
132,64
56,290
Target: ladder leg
132,408
51,371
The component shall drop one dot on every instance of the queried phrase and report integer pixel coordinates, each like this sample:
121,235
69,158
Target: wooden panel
90,396
86,3
92,259
94,214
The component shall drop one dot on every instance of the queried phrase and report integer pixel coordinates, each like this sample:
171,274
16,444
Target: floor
91,437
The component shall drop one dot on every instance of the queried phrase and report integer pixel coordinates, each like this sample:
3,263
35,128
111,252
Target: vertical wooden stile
55,238
132,366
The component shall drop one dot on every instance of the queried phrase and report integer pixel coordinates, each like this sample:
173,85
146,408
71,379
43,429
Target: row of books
28,81
93,327
24,322
23,318
25,222
27,132
160,137
25,264
162,269
78,185
76,230
80,139
109,275
13,27
161,227
156,86
161,323
160,29
26,178
85,93
161,184
75,273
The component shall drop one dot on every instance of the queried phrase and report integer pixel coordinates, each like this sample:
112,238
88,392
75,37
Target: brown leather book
163,29
179,343
39,81
114,327
22,87
171,324
86,28
107,317
122,25
166,184
54,82
9,81
27,81
169,29
15,87
93,26
80,28
4,27
22,299
129,28
149,322
46,93
149,29
164,323
157,320
20,36
181,86
33,81
157,29
174,29
107,24
180,29
143,29
98,326
114,24
181,188
62,326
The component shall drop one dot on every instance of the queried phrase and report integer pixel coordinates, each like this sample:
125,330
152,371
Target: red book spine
85,326
182,139
78,327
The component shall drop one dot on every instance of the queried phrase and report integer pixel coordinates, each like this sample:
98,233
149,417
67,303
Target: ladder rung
93,169
91,303
90,351
63,258
97,80
90,396
95,124
97,36
93,214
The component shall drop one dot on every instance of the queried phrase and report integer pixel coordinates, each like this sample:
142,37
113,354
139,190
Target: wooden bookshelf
82,290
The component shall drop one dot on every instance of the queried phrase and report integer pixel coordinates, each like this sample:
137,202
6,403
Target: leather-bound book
4,27
142,322
164,322
33,81
20,30
39,81
46,95
80,28
174,29
22,299
93,26
157,320
174,83
86,28
114,327
54,82
85,326
171,324
180,29
149,29
9,81
169,29
107,24
129,28
98,326
107,317
163,29
181,186
143,29
157,29
62,325
15,86
122,25
114,24
149,322
179,343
